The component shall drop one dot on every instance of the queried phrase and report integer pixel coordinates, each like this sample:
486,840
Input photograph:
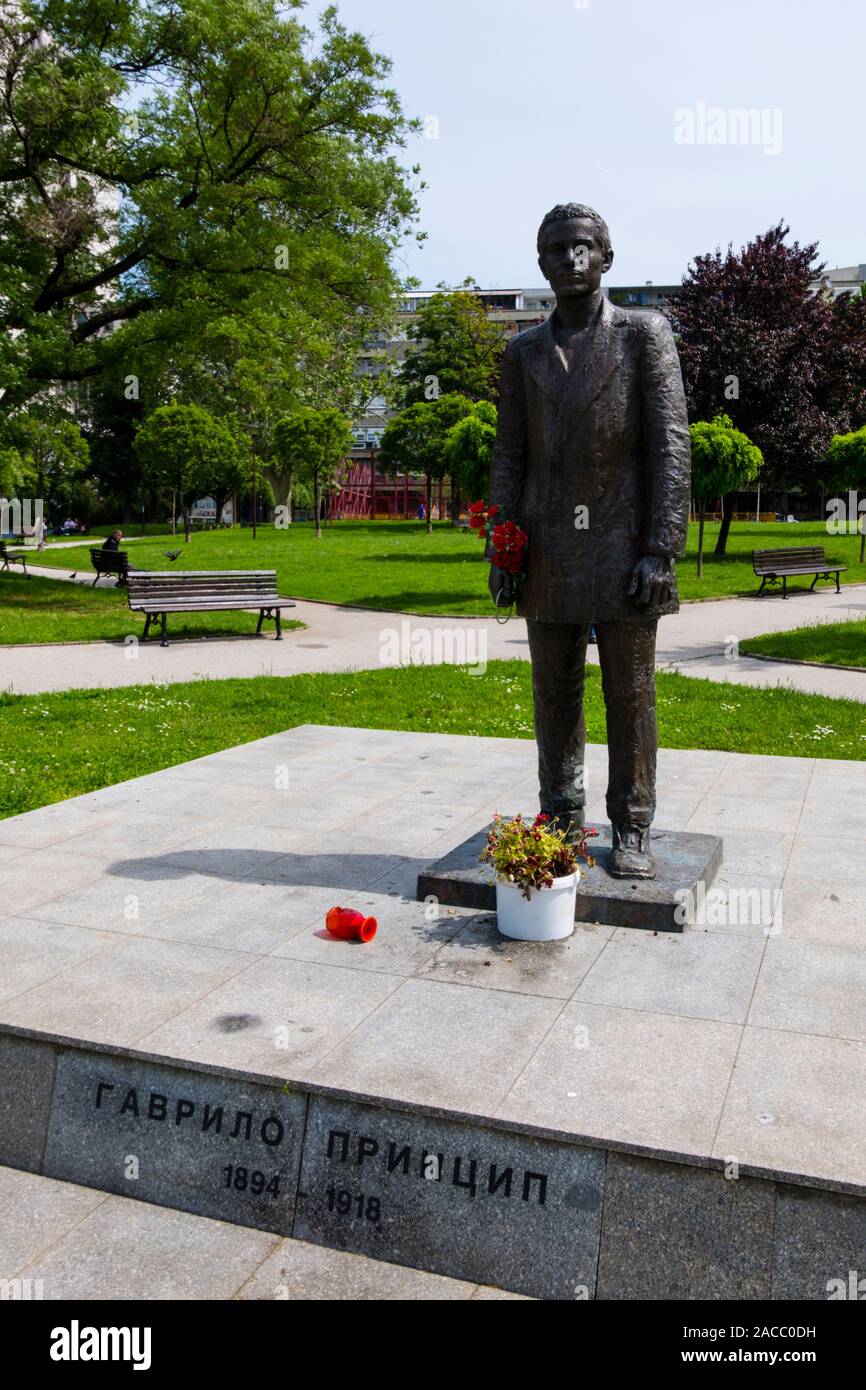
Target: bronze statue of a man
592,460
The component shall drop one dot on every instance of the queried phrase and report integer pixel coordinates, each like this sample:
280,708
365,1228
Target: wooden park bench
13,557
110,562
156,594
786,562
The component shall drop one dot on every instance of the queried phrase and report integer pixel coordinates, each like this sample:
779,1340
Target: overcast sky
543,101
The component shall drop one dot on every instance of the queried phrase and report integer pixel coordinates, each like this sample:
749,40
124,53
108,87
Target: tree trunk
282,484
728,505
455,504
318,509
187,522
701,539
429,504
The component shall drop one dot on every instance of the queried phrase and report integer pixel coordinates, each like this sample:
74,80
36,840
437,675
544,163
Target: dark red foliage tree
786,363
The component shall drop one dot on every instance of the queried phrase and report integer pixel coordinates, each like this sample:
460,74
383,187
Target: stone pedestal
683,860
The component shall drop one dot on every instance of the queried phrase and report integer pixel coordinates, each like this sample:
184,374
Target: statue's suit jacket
611,436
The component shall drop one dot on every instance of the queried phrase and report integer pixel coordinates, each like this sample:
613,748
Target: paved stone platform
557,1121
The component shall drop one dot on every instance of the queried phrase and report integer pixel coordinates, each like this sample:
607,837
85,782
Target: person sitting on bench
113,543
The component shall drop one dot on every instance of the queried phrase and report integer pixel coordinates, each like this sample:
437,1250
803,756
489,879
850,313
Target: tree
117,472
11,472
457,349
846,459
52,456
311,444
788,365
468,450
186,449
414,441
326,378
723,460
230,471
257,174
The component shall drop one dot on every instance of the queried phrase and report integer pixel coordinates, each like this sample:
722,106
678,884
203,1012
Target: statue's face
572,260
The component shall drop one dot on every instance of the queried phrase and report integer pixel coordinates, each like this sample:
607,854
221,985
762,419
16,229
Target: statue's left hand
652,582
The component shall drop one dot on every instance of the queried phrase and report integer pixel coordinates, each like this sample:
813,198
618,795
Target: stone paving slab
743,1036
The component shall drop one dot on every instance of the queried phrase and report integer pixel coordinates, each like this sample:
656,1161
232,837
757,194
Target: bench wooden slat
211,605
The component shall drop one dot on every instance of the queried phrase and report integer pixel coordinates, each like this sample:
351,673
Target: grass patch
396,565
60,745
52,610
840,644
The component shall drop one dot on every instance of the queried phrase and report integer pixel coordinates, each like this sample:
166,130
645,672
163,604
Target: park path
699,641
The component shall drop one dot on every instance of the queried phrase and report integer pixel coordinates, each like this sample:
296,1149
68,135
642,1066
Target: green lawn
841,644
52,610
57,746
396,565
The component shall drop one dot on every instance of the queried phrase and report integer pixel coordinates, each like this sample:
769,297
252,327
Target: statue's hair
563,211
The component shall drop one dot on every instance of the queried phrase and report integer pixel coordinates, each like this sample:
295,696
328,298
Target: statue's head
574,249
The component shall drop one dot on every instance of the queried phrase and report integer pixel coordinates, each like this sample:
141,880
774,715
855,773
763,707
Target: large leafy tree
311,444
723,461
846,459
415,440
455,349
11,472
468,451
52,456
119,476
186,449
325,378
788,365
164,163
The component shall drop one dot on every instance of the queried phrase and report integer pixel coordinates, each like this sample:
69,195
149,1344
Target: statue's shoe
631,856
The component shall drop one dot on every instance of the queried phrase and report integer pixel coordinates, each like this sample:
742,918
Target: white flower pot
546,915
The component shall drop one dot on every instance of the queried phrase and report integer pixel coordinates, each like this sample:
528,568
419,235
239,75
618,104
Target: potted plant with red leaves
506,543
537,873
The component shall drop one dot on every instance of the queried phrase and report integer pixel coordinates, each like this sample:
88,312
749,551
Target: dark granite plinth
503,1209
683,860
212,1145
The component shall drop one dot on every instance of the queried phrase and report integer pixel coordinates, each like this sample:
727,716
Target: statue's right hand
501,587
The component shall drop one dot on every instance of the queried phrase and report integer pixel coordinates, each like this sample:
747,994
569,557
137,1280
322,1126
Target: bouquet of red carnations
508,544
